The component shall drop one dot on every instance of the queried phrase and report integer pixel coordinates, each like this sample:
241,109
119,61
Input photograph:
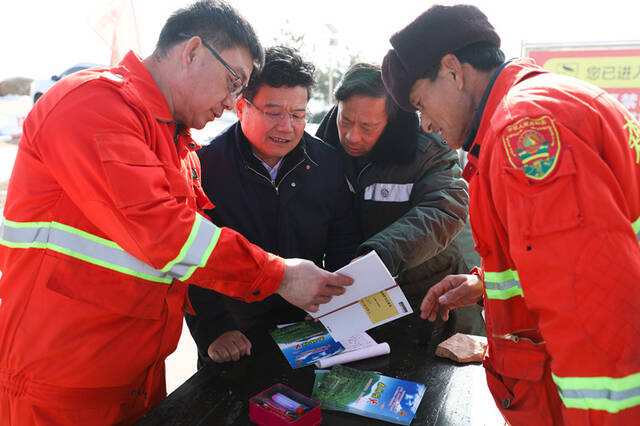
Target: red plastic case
262,415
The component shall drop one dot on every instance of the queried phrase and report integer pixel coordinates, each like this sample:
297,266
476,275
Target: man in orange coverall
103,228
554,171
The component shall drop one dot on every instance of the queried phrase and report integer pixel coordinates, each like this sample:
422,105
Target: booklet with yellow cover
373,299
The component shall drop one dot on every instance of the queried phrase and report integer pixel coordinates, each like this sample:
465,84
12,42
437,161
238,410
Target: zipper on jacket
272,182
360,174
516,339
287,174
264,177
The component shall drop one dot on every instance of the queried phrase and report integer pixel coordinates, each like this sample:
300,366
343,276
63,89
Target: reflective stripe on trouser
81,245
502,285
599,393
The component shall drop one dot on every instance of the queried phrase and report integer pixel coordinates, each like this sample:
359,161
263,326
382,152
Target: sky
42,37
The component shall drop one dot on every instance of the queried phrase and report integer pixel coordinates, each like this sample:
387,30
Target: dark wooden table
218,394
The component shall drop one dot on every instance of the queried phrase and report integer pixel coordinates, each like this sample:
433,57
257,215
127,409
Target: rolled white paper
345,357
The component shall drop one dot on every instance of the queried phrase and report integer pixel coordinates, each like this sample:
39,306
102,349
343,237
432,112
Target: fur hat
421,44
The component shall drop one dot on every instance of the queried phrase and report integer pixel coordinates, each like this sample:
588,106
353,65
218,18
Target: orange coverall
102,233
555,209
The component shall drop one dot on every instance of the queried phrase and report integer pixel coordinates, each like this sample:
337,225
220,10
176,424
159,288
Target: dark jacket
412,203
307,212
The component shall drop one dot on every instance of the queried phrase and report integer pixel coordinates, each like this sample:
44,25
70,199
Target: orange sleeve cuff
269,279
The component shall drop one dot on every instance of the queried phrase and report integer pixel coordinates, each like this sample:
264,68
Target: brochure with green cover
368,394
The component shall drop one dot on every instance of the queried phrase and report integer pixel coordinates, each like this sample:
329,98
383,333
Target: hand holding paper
373,299
306,286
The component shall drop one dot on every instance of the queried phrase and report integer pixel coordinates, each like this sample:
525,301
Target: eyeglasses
297,117
236,86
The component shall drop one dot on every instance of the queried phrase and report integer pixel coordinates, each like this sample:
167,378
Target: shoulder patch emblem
533,145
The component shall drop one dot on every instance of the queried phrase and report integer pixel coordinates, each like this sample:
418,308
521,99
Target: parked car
38,87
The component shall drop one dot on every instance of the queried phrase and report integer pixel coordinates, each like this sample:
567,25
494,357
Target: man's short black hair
483,56
364,79
217,23
283,66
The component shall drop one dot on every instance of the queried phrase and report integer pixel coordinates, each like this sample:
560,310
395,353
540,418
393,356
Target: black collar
475,124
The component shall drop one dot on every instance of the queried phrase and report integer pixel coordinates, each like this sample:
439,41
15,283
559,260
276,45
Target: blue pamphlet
368,394
305,342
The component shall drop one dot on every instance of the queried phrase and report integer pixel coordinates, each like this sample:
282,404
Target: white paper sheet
343,323
358,309
369,275
345,357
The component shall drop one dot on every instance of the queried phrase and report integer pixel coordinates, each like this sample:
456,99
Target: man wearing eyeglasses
278,186
104,227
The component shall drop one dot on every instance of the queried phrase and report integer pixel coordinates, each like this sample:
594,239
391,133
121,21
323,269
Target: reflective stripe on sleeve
502,285
636,228
199,251
599,393
196,251
84,246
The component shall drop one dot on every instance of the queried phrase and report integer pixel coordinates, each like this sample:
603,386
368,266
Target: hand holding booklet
373,299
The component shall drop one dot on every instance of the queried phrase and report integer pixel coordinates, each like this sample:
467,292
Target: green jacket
412,203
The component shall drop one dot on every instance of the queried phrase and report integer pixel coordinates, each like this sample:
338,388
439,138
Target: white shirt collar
273,171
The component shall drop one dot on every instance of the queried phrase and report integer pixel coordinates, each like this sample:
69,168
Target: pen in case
288,403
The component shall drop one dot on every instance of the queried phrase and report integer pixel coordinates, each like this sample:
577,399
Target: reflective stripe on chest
388,192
